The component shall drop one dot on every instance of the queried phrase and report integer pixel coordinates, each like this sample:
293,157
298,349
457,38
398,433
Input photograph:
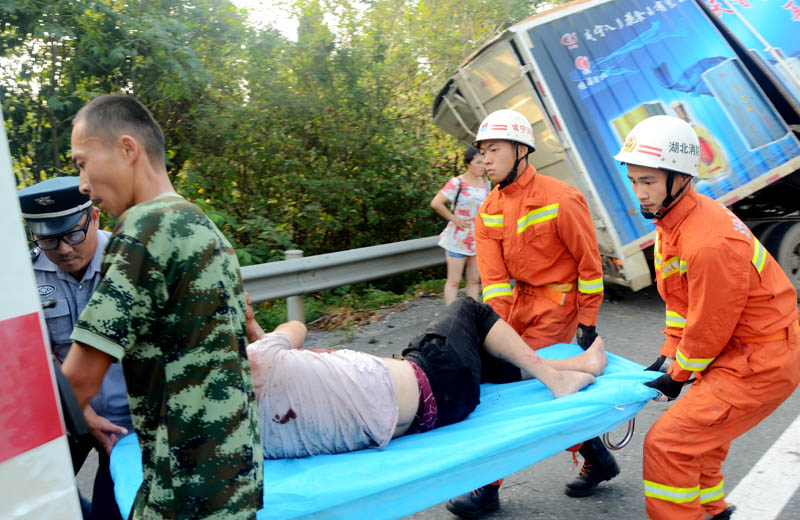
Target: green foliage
58,54
323,144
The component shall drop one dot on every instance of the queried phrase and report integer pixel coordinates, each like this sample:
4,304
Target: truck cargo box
586,72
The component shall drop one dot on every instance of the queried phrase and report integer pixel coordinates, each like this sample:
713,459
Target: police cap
53,206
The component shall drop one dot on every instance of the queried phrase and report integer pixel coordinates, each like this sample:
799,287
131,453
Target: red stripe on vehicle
29,415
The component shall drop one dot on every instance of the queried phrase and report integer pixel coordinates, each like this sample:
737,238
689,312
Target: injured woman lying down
313,402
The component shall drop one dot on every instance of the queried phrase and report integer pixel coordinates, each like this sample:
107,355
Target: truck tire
763,230
783,243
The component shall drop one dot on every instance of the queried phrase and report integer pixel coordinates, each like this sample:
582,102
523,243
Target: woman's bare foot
569,382
595,357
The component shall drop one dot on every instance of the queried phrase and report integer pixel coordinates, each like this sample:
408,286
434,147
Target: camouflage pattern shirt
171,302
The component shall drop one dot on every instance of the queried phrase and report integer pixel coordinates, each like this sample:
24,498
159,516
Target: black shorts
451,354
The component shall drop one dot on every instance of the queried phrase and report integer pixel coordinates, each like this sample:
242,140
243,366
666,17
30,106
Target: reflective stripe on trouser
680,495
713,493
542,322
685,447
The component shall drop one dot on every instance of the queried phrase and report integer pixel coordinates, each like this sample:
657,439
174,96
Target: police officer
66,261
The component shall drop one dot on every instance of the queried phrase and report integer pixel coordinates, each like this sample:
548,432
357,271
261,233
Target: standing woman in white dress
465,194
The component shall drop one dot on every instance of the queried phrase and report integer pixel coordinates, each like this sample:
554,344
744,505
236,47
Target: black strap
73,415
455,201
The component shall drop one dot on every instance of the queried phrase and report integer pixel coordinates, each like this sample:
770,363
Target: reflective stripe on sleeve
713,493
759,255
495,290
671,267
675,320
492,220
657,255
670,493
590,286
692,364
537,215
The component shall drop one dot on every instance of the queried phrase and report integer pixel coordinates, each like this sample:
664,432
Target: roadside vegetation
354,305
321,144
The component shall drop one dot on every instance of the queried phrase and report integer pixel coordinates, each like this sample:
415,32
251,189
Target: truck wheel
784,245
763,230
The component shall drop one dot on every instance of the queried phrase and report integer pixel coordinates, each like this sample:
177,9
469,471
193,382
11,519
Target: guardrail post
295,307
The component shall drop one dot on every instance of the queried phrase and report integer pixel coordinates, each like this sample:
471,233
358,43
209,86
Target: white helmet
664,142
506,125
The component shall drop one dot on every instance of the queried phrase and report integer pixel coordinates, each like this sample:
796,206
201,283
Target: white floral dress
452,238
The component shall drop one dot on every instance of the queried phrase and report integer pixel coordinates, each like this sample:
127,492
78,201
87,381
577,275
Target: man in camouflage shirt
170,302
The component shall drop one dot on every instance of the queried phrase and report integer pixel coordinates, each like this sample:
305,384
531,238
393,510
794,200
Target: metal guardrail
312,274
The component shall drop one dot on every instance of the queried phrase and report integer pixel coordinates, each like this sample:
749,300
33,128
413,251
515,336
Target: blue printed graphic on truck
769,29
620,62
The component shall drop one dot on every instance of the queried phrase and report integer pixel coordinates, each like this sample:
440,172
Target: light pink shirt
314,402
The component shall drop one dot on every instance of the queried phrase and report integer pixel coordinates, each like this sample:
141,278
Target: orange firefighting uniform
731,317
539,232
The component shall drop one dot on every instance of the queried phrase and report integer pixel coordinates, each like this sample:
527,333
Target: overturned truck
586,72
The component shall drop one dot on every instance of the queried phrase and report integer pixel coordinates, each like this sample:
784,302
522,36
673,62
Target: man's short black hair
108,117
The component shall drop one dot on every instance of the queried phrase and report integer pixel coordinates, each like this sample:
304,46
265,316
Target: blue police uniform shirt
70,297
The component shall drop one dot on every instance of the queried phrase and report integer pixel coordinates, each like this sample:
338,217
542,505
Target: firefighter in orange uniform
537,231
731,316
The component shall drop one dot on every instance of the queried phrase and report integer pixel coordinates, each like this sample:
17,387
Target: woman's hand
461,223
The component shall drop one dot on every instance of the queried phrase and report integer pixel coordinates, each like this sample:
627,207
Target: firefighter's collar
522,181
680,210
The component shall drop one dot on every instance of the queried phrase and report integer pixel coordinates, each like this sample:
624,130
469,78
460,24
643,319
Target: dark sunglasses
70,238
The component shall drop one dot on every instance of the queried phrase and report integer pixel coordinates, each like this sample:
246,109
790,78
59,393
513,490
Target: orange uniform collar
679,211
521,182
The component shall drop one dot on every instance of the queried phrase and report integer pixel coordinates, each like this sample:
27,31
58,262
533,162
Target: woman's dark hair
470,154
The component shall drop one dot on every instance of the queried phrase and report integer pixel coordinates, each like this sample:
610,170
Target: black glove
668,389
655,366
586,335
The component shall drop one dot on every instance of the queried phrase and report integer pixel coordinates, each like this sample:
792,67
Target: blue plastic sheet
514,426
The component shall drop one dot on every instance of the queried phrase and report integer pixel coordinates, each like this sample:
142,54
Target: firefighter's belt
775,336
557,292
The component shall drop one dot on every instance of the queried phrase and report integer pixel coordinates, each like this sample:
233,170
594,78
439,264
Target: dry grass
343,317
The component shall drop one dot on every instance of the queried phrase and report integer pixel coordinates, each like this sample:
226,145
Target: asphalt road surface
631,325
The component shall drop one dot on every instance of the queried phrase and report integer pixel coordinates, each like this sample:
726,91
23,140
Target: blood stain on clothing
288,416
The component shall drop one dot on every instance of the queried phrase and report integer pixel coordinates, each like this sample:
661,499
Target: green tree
56,55
323,144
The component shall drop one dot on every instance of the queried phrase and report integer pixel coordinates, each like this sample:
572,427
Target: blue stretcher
519,424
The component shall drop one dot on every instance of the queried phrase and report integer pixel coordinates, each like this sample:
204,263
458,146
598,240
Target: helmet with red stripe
506,125
664,142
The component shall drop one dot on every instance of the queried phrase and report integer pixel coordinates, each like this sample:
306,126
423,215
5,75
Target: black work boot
725,515
598,465
475,503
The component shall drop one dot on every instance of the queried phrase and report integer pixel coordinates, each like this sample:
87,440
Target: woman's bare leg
455,266
564,377
473,278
